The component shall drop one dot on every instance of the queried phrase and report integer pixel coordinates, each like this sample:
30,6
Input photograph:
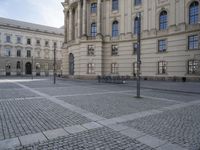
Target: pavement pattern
76,114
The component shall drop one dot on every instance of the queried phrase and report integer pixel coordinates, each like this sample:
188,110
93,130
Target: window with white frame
114,68
115,5
90,67
7,52
19,40
137,2
193,66
114,51
8,39
90,50
194,13
18,53
162,45
28,53
193,42
163,21
94,8
162,67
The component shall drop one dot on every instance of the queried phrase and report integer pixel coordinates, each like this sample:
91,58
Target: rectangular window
134,48
90,67
28,41
7,52
137,2
193,66
94,8
114,50
8,38
115,5
193,42
162,67
28,53
114,68
38,42
19,40
18,53
90,50
46,43
162,46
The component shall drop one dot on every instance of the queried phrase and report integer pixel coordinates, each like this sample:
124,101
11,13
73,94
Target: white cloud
50,11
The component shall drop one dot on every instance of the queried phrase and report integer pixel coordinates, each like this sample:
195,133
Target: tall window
28,53
90,68
162,45
93,29
46,43
137,2
7,52
28,41
18,53
194,13
114,68
192,66
94,8
18,65
115,29
115,5
90,50
38,42
19,40
134,48
163,20
8,38
162,67
193,42
114,51
137,25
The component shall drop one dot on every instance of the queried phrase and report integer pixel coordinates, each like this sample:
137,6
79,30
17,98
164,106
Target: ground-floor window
90,68
192,66
114,68
162,67
134,69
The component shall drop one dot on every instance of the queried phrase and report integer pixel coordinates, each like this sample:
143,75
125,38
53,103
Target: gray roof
29,26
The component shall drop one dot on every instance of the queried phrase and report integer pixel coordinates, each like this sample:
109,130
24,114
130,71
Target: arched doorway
18,67
71,64
28,68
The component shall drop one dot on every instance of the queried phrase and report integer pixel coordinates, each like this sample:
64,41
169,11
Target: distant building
27,48
101,38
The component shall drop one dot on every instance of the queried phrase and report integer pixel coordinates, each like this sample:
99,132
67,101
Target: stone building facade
27,48
101,38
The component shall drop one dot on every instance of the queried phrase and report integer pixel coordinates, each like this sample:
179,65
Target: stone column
79,19
107,18
66,25
70,24
84,18
146,17
98,16
172,15
122,20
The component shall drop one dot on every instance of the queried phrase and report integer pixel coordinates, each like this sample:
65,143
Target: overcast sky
45,12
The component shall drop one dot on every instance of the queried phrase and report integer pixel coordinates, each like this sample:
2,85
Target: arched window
137,25
93,7
115,5
163,20
194,13
93,29
115,30
18,65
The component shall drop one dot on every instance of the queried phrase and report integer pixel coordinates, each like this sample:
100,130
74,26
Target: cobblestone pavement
97,139
114,105
37,107
181,126
22,117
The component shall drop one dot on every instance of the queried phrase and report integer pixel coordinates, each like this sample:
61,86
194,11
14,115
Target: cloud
50,11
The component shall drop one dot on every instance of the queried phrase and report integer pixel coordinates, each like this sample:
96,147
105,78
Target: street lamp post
54,65
138,54
32,66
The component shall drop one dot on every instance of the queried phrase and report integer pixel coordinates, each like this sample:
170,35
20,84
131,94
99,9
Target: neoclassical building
27,48
101,38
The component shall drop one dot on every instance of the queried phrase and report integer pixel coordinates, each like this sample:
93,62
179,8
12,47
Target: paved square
78,114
